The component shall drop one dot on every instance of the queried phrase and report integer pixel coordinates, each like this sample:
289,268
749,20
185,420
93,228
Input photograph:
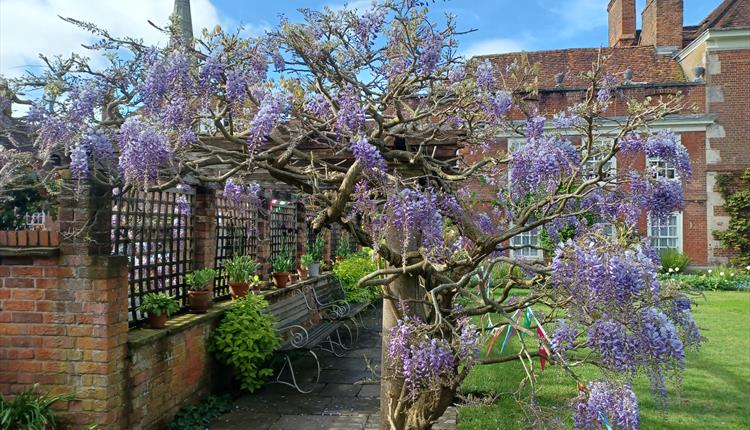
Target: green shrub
719,278
245,340
735,189
198,417
673,259
30,410
157,303
198,280
240,268
351,270
343,249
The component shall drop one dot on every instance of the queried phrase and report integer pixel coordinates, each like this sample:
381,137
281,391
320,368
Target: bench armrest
297,335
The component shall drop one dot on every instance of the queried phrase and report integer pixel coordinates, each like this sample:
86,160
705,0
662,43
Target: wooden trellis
236,234
157,238
283,220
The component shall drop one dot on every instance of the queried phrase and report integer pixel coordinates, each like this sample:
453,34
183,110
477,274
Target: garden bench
331,300
292,314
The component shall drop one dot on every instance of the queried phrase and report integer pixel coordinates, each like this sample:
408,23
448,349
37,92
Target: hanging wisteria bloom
606,404
143,152
237,193
369,156
271,112
79,161
432,46
317,105
427,363
351,115
541,163
486,76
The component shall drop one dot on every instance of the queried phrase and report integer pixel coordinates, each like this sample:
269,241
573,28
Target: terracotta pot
293,277
280,279
340,258
199,301
157,321
238,289
313,269
302,272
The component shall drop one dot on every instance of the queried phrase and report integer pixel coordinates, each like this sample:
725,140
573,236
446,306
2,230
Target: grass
715,391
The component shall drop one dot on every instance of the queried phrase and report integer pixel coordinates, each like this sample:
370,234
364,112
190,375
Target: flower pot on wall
280,279
157,321
302,272
313,269
199,301
238,289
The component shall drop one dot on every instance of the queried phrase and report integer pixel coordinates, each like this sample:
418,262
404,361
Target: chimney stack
662,25
621,22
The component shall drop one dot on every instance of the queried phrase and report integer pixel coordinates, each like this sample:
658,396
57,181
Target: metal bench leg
294,383
332,345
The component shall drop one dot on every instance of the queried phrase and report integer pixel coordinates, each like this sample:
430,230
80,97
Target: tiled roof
648,66
729,14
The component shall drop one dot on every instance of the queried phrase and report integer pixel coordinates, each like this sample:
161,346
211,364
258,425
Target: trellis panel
158,240
236,234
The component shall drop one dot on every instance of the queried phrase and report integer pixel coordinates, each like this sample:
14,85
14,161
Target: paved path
347,396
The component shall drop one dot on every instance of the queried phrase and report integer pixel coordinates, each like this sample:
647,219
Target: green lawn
715,392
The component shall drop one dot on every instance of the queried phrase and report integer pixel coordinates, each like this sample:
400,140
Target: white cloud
30,27
578,15
492,46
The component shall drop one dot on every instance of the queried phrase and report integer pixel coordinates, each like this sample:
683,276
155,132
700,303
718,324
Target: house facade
708,63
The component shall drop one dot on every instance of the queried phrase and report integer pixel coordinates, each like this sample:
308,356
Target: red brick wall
621,15
662,23
728,93
63,319
694,221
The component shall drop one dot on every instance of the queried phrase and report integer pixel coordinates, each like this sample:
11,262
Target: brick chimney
621,22
662,24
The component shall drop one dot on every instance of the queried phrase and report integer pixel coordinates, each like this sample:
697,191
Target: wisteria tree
376,119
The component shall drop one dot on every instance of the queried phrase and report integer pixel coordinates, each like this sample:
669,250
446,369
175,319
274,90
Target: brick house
708,63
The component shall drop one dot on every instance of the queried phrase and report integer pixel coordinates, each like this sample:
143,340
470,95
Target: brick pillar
64,315
205,227
264,239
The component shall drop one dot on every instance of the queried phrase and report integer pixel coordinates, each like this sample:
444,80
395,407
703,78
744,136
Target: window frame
678,227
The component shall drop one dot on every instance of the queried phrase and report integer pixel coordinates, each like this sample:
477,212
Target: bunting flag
543,355
603,419
511,330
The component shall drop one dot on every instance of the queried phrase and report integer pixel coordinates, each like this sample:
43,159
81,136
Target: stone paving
347,397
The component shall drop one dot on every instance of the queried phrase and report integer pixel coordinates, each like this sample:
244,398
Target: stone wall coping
140,337
38,251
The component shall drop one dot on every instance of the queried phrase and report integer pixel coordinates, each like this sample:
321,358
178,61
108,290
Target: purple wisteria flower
351,115
660,196
237,193
486,76
79,161
432,45
606,402
369,156
369,24
664,145
534,127
498,104
271,110
317,105
564,336
143,151
457,74
541,163
564,120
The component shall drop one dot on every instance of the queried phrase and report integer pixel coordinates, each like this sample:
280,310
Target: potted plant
304,263
240,270
200,292
316,255
342,250
255,283
158,306
282,264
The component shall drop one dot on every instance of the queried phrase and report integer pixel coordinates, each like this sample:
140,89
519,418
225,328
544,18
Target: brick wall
728,152
63,318
662,23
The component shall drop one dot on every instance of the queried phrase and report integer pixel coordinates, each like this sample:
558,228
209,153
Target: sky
30,27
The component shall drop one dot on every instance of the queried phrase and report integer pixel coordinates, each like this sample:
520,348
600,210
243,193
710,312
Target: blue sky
28,27
500,24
